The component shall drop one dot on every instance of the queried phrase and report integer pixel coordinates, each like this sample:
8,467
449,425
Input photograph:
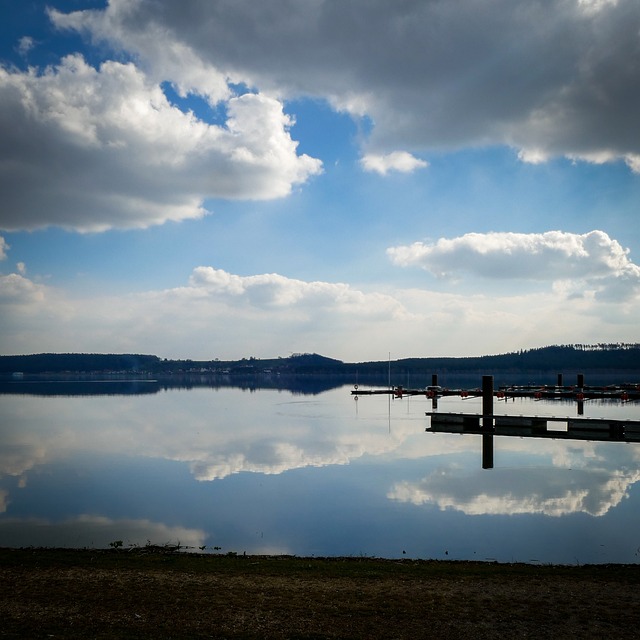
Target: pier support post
487,402
434,379
580,384
560,380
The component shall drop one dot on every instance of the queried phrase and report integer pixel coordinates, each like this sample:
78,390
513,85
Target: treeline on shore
576,357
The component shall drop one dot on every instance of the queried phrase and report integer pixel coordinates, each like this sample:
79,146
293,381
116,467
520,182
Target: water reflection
556,428
275,471
92,385
552,492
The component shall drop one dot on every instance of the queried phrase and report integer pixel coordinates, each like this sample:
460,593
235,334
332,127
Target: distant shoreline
306,383
565,359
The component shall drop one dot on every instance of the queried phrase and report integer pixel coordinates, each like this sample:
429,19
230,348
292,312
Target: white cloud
163,59
25,44
195,319
633,161
399,161
226,315
276,291
559,78
16,289
593,6
592,259
91,149
533,156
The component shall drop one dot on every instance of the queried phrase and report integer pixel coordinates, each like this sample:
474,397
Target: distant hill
560,358
557,358
77,363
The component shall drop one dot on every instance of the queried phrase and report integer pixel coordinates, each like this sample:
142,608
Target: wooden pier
625,392
489,424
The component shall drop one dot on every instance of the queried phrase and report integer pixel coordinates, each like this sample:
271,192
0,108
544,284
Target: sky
356,178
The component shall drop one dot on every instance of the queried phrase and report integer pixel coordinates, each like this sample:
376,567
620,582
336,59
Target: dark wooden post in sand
487,422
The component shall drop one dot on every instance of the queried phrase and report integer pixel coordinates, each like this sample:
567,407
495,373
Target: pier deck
624,393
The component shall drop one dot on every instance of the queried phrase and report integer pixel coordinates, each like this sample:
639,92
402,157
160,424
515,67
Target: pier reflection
490,425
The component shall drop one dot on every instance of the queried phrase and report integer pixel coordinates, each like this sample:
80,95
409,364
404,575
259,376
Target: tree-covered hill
77,363
577,357
557,358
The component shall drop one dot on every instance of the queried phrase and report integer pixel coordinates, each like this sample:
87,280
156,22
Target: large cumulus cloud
92,148
558,77
274,291
591,260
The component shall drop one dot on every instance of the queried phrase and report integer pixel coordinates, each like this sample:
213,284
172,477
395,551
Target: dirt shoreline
63,593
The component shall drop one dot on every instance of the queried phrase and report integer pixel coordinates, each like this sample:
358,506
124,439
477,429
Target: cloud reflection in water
552,492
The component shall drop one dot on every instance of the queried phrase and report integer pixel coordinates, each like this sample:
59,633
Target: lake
315,473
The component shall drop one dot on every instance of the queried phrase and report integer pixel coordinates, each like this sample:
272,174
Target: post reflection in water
301,471
600,430
487,451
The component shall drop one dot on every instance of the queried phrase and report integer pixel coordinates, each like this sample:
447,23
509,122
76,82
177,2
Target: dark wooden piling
487,422
487,402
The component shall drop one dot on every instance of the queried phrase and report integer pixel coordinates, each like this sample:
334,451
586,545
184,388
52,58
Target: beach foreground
154,593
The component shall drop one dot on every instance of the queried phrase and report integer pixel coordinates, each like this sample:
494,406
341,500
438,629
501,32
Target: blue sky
207,179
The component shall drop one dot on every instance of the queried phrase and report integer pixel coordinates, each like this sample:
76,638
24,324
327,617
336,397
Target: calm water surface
270,471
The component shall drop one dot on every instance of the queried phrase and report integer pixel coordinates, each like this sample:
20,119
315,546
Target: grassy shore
54,593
